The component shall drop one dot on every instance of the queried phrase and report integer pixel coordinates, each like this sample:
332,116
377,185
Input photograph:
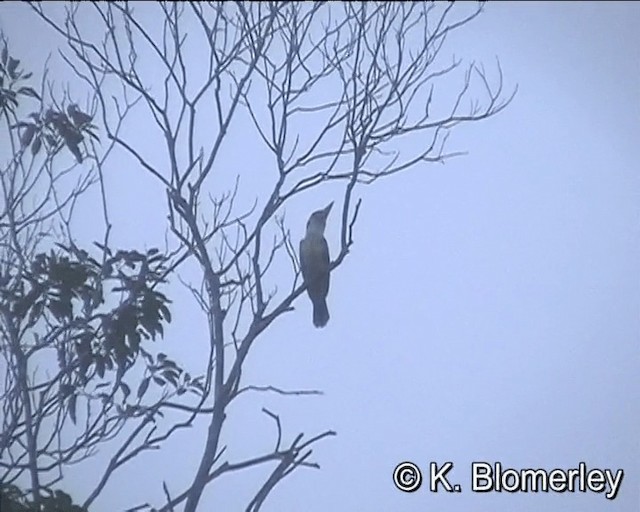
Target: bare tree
330,90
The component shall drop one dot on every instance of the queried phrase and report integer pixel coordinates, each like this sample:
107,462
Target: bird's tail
320,313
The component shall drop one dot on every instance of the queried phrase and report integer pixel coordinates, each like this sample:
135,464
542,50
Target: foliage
84,319
56,129
12,500
12,82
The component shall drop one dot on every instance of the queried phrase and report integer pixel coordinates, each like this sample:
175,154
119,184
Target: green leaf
28,91
27,135
37,144
11,68
170,376
142,389
76,151
72,408
66,390
125,389
92,135
51,140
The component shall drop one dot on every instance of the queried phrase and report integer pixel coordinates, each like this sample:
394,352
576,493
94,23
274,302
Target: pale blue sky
489,309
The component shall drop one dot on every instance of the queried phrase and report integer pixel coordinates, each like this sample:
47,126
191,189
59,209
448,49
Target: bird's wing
326,262
314,264
304,259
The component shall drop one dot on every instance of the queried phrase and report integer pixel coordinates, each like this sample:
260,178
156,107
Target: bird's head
318,220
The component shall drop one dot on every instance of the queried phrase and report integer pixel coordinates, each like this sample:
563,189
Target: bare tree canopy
332,96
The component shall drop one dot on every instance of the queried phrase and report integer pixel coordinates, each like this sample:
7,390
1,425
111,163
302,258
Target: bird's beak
327,209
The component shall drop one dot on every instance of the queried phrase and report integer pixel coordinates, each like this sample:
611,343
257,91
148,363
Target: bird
314,264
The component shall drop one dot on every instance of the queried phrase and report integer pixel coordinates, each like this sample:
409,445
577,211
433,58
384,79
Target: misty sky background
488,310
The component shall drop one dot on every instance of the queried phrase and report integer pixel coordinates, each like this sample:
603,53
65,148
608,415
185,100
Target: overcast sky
488,311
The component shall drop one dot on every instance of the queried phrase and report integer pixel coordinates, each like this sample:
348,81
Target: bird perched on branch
314,263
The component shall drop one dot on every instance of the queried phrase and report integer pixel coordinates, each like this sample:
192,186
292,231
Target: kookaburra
314,263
